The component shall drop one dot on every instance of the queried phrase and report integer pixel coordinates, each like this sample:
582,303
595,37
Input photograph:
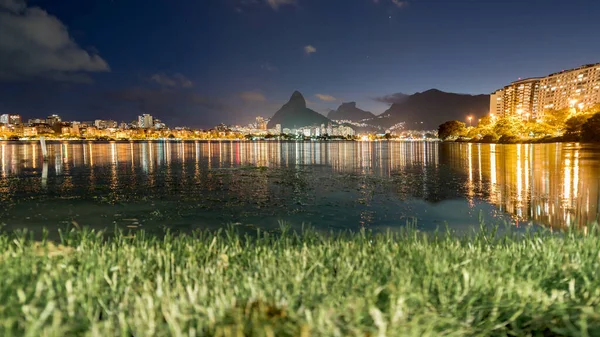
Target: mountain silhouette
427,110
349,111
295,114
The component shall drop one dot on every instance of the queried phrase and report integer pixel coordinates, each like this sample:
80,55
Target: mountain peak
297,99
432,91
349,111
295,114
427,110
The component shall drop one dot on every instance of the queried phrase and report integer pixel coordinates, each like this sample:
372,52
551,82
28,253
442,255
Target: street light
470,118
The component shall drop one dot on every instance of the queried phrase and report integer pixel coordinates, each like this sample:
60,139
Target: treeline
553,126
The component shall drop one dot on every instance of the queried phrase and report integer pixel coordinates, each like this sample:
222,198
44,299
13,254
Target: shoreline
559,140
216,140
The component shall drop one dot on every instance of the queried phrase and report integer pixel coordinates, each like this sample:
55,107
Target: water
331,185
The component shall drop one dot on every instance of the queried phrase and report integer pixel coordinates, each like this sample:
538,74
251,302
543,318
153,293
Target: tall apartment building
576,88
10,119
261,123
519,98
145,121
497,103
53,119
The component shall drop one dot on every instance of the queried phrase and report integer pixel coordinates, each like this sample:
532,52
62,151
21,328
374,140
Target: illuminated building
261,123
497,103
577,88
10,119
105,124
29,131
36,121
52,119
519,98
345,131
145,121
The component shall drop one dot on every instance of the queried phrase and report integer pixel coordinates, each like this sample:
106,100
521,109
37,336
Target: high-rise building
10,119
577,88
145,121
52,119
520,98
497,103
261,123
35,121
105,124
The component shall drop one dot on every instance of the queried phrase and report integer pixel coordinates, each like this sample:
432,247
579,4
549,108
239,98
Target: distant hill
427,110
349,111
295,114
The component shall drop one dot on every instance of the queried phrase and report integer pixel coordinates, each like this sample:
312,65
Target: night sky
202,62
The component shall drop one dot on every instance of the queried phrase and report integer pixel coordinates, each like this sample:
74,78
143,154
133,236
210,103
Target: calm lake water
331,185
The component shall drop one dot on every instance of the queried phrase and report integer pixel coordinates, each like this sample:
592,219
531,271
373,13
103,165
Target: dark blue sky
206,61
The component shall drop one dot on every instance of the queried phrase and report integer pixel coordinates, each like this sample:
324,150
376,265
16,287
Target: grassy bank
300,284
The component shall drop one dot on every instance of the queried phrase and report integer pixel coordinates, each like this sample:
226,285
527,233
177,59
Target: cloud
177,80
13,5
326,98
400,3
252,96
392,98
275,4
309,50
35,44
269,67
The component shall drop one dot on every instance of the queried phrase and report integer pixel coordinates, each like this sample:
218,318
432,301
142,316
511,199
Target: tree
590,131
556,118
537,129
574,125
485,121
451,129
508,126
594,109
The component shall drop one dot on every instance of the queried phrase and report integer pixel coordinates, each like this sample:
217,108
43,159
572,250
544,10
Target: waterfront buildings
261,123
53,119
10,119
145,121
577,88
105,124
35,121
148,127
497,103
518,98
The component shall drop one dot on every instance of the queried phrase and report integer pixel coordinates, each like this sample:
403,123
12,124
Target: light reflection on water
329,184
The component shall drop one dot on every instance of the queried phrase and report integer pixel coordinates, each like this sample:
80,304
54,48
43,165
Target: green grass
300,284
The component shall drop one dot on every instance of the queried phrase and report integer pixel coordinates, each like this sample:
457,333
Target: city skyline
220,61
